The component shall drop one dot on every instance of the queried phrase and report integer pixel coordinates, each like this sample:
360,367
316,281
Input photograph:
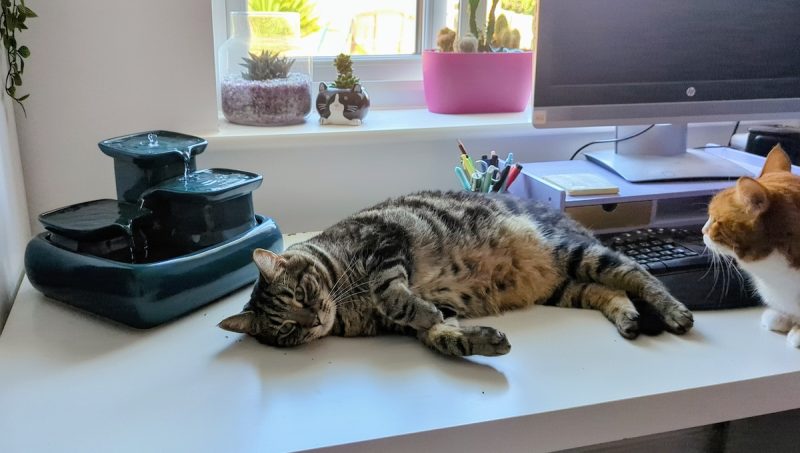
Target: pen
469,166
512,174
510,159
462,178
476,182
494,160
500,184
488,178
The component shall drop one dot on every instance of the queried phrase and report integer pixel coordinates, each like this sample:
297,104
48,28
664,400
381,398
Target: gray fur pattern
416,263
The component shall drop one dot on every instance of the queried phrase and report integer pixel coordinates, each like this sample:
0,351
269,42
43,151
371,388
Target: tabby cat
414,264
757,222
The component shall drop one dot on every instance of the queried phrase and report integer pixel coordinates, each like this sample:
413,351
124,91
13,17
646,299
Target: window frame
395,80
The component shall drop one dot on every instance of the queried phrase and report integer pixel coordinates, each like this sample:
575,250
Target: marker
462,178
500,184
467,164
510,159
512,175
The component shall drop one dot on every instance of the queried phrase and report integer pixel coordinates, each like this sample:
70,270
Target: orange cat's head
757,217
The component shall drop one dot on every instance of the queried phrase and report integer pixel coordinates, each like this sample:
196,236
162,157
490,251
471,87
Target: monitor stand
660,154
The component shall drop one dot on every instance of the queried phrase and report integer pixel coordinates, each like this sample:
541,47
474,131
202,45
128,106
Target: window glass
513,23
355,27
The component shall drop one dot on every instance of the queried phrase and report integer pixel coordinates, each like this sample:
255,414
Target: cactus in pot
267,93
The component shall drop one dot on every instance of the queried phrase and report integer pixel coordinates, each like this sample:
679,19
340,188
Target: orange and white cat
757,222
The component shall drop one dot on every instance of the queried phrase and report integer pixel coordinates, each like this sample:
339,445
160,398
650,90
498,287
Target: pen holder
484,177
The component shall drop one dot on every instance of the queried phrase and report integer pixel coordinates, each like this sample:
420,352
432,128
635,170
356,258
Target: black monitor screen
594,52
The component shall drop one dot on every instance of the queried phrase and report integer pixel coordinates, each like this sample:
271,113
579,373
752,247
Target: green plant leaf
24,52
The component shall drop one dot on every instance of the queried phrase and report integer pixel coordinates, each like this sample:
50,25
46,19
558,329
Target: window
385,37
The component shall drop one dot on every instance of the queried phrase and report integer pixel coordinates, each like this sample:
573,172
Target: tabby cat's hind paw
678,319
628,324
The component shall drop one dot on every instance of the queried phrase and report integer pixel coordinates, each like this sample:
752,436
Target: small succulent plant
266,66
344,68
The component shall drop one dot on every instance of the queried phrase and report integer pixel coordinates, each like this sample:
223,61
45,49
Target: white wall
102,68
14,230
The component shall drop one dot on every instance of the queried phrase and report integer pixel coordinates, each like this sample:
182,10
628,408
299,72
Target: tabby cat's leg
395,300
614,304
618,271
449,338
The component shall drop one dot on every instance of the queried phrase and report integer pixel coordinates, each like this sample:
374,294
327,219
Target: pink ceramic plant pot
483,82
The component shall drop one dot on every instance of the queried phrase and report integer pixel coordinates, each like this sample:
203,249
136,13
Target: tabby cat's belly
511,269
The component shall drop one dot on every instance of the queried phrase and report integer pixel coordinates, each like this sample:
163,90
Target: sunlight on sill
381,125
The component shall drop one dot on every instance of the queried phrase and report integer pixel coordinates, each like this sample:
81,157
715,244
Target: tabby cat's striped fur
415,263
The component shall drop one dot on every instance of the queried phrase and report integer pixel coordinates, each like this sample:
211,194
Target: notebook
582,183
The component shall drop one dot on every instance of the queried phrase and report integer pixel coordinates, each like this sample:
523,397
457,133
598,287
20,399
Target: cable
735,129
730,139
611,140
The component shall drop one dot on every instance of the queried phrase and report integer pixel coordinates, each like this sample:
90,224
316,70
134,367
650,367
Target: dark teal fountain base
148,294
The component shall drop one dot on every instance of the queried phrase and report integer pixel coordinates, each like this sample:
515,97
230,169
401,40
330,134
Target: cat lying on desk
757,222
414,264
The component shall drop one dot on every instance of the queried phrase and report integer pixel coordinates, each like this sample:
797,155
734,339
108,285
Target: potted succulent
483,71
267,93
344,101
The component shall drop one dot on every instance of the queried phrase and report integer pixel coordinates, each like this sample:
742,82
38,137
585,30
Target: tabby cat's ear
777,160
323,87
752,195
268,263
243,322
357,88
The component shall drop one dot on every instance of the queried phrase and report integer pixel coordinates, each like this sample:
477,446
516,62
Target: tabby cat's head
757,217
290,304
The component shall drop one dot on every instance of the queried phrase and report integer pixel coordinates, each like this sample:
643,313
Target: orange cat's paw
793,337
775,321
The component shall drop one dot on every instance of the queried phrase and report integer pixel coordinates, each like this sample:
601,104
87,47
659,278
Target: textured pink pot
482,82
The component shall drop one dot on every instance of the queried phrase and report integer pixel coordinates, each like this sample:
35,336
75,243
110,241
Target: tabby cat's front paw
425,316
486,341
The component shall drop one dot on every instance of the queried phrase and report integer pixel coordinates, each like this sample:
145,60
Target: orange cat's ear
777,160
752,195
268,263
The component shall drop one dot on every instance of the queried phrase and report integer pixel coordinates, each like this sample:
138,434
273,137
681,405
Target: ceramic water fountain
176,238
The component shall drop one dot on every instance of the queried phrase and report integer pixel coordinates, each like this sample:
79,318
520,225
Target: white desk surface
72,382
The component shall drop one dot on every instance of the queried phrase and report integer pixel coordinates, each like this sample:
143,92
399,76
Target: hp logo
690,91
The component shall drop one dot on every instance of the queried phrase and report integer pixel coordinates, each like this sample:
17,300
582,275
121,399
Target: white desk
71,382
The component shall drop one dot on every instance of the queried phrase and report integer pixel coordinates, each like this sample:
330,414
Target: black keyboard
678,257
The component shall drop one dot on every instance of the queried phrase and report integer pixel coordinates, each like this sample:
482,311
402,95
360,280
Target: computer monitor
641,62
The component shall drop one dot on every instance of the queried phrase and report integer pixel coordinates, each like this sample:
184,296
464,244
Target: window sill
381,126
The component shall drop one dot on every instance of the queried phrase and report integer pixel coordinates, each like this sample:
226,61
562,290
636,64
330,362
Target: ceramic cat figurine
347,106
413,264
757,222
